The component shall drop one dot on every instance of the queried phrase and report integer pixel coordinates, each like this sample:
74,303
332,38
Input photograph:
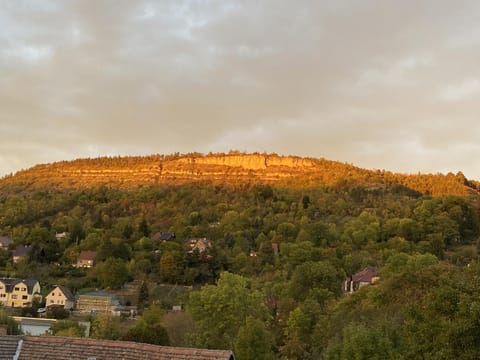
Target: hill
233,168
258,248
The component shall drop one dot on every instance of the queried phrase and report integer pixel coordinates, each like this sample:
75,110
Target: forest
271,284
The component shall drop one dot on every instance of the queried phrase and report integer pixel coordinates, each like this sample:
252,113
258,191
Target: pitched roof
163,236
365,275
8,346
87,255
21,250
11,282
66,348
66,291
5,241
167,236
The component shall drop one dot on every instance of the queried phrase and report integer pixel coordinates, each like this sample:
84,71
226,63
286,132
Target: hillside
281,236
232,168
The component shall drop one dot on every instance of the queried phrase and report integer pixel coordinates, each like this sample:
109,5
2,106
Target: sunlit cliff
233,168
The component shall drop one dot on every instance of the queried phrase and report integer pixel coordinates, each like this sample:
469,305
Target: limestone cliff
234,168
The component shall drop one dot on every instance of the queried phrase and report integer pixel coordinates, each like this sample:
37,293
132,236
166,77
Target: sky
385,84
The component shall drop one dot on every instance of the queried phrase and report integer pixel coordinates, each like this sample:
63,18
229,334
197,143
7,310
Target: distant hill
232,168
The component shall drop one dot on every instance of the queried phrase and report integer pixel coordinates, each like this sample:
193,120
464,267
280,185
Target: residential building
367,276
62,235
20,253
5,241
70,348
200,245
98,302
18,292
60,296
86,259
163,236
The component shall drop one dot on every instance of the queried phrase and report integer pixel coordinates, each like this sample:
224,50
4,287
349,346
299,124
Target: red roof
365,275
66,348
87,255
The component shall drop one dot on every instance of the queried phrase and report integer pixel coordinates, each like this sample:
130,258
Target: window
24,297
53,294
3,295
17,289
52,301
14,296
24,289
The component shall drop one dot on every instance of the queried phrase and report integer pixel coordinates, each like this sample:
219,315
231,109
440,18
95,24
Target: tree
69,328
106,327
143,295
148,329
311,275
219,311
143,228
13,328
112,273
149,334
253,341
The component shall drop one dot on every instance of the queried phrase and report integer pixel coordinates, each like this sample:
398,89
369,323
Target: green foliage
143,296
69,328
112,273
56,312
287,303
148,329
13,328
253,341
106,327
219,311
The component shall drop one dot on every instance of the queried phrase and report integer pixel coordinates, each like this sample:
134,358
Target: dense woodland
244,295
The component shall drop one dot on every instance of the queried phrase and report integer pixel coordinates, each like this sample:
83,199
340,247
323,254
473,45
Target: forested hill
233,168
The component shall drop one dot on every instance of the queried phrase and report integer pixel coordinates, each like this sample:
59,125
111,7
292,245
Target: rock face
252,161
150,170
233,168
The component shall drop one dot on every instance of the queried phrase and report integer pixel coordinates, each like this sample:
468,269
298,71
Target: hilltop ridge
232,168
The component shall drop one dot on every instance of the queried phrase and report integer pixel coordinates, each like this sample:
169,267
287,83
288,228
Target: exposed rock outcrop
235,168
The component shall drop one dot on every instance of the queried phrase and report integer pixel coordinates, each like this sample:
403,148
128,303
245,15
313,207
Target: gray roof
5,241
11,282
21,250
66,291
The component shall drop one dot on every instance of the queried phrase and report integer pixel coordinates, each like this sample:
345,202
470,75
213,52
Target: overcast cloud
381,84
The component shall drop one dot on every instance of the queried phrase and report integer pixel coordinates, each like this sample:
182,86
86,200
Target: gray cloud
381,84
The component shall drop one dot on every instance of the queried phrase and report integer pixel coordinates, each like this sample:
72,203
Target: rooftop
66,348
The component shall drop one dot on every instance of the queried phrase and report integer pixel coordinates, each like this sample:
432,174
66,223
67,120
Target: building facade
18,292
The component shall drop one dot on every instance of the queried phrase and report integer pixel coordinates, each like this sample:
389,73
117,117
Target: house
163,236
367,276
5,241
20,253
60,296
70,348
98,302
18,292
86,259
61,235
200,245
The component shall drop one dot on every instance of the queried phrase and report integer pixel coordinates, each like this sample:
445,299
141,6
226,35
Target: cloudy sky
381,84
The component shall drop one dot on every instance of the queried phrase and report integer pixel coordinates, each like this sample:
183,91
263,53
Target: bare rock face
251,161
233,168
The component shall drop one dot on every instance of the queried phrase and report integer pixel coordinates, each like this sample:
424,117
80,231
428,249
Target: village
49,303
